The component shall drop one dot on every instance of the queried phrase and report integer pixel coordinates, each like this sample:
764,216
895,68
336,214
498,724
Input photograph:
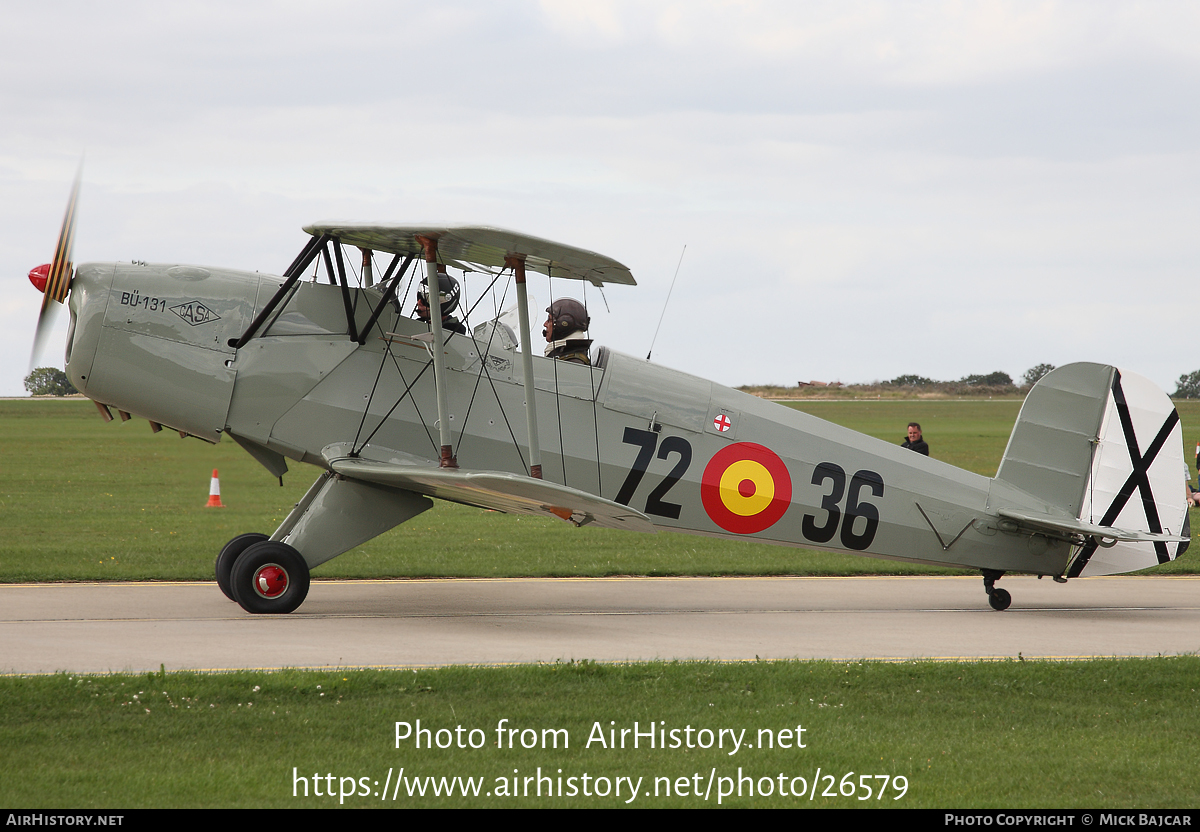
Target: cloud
915,187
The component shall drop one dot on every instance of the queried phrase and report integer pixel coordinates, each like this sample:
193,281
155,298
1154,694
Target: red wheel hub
271,581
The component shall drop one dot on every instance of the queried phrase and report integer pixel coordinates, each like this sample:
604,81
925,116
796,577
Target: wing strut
341,279
292,275
429,245
517,263
389,293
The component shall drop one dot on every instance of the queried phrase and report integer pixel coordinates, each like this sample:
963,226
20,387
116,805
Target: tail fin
1105,448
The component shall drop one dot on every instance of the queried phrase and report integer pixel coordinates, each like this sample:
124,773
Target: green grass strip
1011,734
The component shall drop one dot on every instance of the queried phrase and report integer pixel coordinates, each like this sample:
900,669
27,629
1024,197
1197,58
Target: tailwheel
998,598
269,577
229,554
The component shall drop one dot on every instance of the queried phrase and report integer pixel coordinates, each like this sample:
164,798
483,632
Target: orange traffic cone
214,492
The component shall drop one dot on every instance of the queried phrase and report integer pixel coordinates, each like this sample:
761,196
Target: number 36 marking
856,507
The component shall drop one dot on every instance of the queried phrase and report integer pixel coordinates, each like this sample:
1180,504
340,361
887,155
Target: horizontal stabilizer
509,493
1105,535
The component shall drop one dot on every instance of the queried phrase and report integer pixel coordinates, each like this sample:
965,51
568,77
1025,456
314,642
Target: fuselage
694,456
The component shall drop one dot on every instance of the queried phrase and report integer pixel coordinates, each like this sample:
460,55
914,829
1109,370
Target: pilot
566,331
914,442
449,294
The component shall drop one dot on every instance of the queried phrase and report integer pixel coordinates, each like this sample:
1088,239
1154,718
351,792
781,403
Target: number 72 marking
646,441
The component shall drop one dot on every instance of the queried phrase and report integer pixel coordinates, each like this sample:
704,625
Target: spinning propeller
54,279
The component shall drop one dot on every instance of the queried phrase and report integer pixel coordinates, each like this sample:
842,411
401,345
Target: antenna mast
668,300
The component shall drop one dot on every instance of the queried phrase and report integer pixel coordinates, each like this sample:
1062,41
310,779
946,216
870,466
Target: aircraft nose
87,302
38,276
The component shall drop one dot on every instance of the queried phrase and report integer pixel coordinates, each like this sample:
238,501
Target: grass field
1099,734
87,500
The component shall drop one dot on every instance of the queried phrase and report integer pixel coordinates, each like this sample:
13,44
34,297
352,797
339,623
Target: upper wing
484,246
510,493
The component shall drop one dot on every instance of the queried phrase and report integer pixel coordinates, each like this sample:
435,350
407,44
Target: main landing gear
262,575
998,598
229,554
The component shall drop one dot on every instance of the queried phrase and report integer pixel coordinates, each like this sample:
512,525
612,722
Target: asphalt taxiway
97,628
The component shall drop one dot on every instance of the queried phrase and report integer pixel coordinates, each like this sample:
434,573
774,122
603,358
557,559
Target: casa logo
195,313
745,488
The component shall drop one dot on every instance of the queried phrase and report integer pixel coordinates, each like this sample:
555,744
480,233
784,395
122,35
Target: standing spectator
914,442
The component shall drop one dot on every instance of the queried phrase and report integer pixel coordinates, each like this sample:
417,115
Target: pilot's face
548,329
422,309
914,433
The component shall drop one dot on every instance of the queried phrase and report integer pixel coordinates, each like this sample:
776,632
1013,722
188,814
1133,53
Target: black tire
999,599
229,554
269,578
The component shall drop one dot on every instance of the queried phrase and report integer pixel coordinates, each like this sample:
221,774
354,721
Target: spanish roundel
745,488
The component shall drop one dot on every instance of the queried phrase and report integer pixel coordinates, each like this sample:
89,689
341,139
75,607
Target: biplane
321,365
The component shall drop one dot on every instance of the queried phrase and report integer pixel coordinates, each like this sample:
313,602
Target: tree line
1188,387
999,380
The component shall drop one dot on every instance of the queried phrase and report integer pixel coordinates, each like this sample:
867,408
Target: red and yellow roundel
745,488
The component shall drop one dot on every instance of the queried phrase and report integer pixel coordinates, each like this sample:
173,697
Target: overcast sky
864,189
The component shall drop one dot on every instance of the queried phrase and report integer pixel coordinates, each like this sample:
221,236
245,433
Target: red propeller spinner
38,276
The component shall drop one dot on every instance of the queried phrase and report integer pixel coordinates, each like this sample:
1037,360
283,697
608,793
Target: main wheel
1000,599
229,554
269,577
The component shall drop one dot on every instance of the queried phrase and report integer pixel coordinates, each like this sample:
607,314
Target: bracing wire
483,353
